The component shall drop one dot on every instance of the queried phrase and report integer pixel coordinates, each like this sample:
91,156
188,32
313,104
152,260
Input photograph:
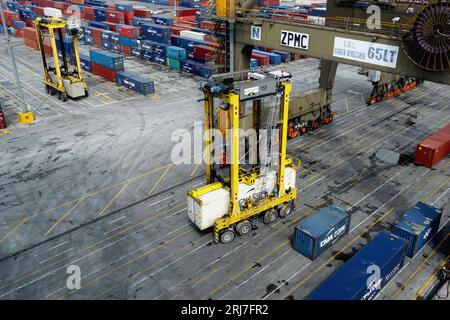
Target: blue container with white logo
88,40
85,61
254,64
136,52
318,232
417,226
135,82
147,55
156,32
162,20
123,7
366,273
107,59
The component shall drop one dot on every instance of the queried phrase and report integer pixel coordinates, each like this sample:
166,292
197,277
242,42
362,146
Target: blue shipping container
156,32
123,7
107,59
136,82
136,52
350,281
146,55
88,39
129,42
254,64
319,231
274,58
106,44
85,61
417,226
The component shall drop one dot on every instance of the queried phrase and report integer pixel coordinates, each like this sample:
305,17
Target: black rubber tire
270,216
286,210
86,93
64,98
52,91
227,236
243,228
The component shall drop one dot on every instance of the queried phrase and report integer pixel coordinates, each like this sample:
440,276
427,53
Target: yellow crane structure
233,197
58,78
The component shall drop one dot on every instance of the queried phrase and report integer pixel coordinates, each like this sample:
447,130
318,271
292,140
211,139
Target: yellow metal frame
236,214
54,25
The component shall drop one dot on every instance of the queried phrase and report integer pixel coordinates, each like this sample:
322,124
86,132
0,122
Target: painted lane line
118,219
51,248
261,270
200,271
375,190
440,196
57,255
161,200
153,241
289,279
60,268
116,228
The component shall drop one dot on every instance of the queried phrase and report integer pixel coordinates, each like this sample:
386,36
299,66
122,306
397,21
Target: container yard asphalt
91,184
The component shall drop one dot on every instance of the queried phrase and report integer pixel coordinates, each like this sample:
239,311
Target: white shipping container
215,203
192,35
52,12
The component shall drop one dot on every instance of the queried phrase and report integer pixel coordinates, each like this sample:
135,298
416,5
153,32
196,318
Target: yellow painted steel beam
284,115
233,101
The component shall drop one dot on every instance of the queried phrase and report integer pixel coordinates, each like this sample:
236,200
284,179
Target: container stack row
367,272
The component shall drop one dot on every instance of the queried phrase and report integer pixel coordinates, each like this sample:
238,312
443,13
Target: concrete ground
92,184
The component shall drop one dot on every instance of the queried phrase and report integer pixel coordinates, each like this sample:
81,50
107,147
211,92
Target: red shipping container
186,12
128,17
262,59
29,33
88,9
434,148
97,36
191,23
77,1
31,43
129,31
203,52
111,26
88,16
38,10
115,16
142,13
18,33
3,124
101,71
125,50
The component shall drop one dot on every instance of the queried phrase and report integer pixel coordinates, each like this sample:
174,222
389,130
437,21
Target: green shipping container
174,63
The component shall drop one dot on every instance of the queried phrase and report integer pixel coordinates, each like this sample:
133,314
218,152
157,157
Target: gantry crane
412,41
58,78
242,190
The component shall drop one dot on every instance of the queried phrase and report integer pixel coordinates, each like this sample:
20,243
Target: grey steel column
25,107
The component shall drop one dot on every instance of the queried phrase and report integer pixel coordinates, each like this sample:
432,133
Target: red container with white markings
434,148
129,31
